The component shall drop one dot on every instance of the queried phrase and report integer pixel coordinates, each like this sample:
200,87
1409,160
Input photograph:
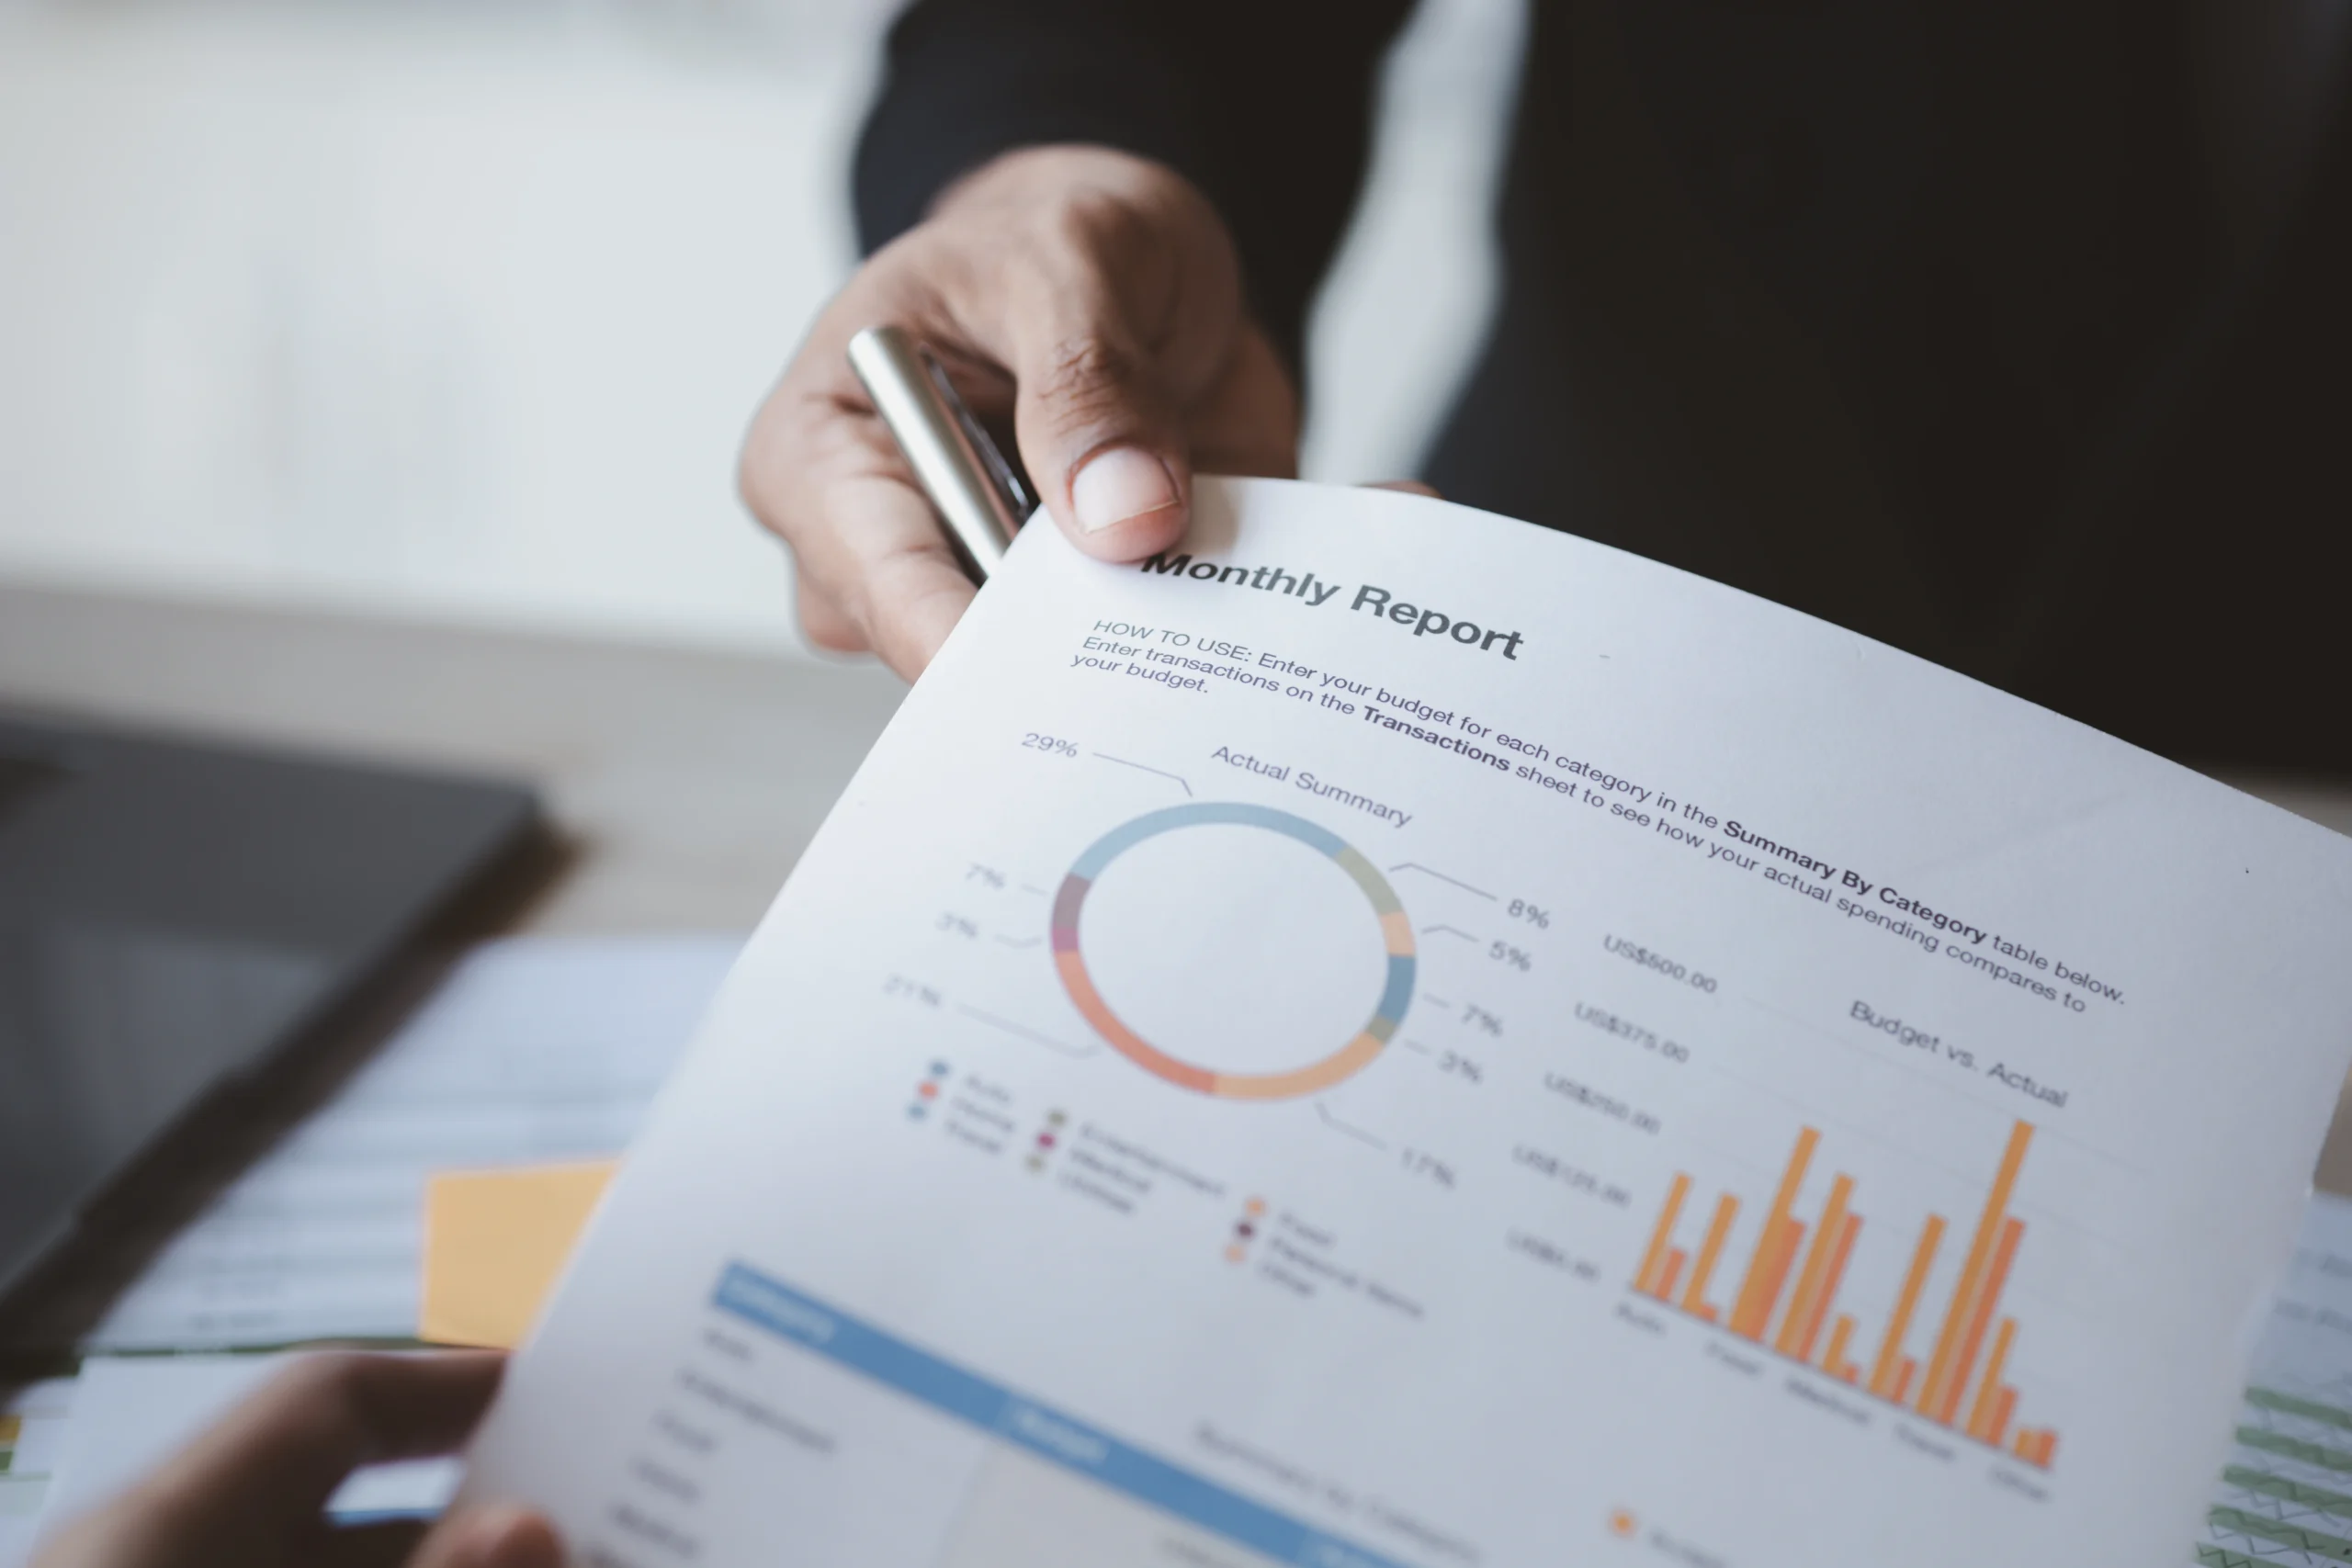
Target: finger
825,623
271,1464
903,587
494,1536
1096,431
874,569
1247,424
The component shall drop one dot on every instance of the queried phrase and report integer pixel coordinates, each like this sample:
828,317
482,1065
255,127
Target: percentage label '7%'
1479,1019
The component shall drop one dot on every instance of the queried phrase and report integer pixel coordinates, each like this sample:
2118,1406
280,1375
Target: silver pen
976,494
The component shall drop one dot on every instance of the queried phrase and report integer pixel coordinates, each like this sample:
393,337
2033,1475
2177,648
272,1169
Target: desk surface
688,781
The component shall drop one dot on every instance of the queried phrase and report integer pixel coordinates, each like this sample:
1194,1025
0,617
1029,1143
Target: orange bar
1646,1280
1816,1263
1694,1298
2049,1449
1902,1377
2023,1444
1762,1286
1972,1275
1671,1271
1777,1262
1987,1297
1890,1349
1988,1395
1832,1360
2002,1410
1827,1292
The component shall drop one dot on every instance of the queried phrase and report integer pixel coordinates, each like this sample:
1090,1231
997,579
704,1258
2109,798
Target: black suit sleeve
1263,104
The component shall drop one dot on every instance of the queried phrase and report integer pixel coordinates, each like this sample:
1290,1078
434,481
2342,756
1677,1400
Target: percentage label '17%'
910,990
1428,1167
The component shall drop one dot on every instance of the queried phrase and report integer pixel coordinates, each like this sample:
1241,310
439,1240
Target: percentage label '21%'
1052,745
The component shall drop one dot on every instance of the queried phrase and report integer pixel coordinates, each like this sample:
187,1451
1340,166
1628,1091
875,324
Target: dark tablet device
174,915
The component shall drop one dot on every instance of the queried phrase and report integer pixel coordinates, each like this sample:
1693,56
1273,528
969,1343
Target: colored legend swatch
1787,1299
1395,934
1244,1231
1049,1137
926,1094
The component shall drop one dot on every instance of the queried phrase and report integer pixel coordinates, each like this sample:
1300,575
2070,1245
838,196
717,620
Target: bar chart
1786,1299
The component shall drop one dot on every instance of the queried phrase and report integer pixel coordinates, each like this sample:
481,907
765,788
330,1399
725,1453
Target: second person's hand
1092,296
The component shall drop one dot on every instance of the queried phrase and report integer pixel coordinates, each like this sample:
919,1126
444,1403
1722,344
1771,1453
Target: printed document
1387,1036
533,1048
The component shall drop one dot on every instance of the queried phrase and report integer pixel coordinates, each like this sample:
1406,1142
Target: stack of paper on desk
534,1049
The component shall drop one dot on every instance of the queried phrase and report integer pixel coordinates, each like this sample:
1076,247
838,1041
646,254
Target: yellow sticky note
494,1242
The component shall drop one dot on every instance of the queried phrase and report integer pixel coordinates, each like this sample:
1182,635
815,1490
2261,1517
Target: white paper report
1389,1036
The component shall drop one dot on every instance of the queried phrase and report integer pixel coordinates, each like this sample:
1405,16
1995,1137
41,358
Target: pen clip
975,491
1001,477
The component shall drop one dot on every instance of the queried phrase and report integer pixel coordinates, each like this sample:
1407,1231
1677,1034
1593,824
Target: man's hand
252,1492
1093,297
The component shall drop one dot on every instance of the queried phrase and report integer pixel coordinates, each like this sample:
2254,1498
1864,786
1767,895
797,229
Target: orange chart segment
1786,1304
1339,1065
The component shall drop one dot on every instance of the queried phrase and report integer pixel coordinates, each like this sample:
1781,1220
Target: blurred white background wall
457,311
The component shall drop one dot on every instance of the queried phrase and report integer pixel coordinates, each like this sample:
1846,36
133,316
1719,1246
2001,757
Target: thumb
1101,443
495,1535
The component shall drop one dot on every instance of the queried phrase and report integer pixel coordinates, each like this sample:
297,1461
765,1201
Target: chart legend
1786,1299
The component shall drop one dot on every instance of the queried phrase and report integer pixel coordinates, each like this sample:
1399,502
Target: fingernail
1119,483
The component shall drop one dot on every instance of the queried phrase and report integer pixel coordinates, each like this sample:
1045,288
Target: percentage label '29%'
1051,745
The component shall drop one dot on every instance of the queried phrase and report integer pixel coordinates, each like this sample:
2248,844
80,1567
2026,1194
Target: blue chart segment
1395,933
1041,1430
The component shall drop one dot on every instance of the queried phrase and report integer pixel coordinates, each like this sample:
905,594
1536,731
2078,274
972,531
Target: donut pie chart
1336,1067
